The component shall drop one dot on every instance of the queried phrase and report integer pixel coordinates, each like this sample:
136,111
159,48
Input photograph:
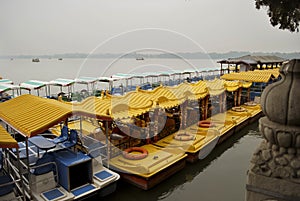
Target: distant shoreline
194,55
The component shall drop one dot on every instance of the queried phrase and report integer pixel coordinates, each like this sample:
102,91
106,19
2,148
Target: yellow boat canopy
6,140
141,101
215,87
253,76
165,97
132,104
31,115
95,107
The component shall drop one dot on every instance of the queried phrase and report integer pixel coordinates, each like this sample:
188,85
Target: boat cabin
250,63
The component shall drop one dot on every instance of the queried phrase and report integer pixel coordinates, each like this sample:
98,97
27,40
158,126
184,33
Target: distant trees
285,13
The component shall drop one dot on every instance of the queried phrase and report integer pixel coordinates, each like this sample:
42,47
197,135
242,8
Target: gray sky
69,26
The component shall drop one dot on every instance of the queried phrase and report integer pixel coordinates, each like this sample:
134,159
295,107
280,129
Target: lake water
220,177
20,70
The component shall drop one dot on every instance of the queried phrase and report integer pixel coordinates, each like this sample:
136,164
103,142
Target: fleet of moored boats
73,145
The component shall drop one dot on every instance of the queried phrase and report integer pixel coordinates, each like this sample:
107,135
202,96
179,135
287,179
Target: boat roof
189,70
62,82
6,81
254,59
31,115
122,76
138,75
262,76
175,72
108,79
33,84
6,140
86,80
163,73
7,87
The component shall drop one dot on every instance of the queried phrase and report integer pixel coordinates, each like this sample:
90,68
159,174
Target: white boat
35,87
35,60
47,166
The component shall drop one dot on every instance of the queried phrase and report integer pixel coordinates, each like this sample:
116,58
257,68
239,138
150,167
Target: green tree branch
285,13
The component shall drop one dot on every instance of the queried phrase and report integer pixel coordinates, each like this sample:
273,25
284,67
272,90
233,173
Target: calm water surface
219,177
20,70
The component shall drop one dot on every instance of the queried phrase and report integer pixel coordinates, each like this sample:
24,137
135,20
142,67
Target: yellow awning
165,97
6,140
96,107
246,84
109,107
141,101
200,90
232,85
31,115
253,76
275,72
215,87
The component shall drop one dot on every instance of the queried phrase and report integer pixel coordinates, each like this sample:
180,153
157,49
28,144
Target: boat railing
8,187
42,170
13,173
94,148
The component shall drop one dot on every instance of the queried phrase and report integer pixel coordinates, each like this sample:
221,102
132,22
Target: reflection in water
220,176
255,133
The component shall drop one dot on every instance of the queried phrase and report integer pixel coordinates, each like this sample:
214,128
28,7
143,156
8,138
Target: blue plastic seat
72,141
103,175
1,160
7,185
63,136
43,165
95,149
53,194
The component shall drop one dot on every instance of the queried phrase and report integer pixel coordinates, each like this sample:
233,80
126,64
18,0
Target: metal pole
80,124
107,142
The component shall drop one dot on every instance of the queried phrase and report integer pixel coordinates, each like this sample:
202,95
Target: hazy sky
84,26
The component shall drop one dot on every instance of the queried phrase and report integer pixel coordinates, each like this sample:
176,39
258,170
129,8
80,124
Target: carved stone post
275,166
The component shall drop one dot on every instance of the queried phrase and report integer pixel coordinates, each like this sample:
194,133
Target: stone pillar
274,172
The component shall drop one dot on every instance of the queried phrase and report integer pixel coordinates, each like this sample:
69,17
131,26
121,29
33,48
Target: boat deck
168,155
201,138
158,159
223,126
160,164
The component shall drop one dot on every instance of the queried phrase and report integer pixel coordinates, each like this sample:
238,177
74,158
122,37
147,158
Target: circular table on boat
41,143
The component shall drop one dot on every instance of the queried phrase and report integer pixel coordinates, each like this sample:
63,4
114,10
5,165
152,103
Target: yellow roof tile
6,140
31,115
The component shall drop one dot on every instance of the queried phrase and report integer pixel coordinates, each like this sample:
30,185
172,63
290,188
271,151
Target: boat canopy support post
80,125
239,96
248,94
205,106
183,114
107,143
28,167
